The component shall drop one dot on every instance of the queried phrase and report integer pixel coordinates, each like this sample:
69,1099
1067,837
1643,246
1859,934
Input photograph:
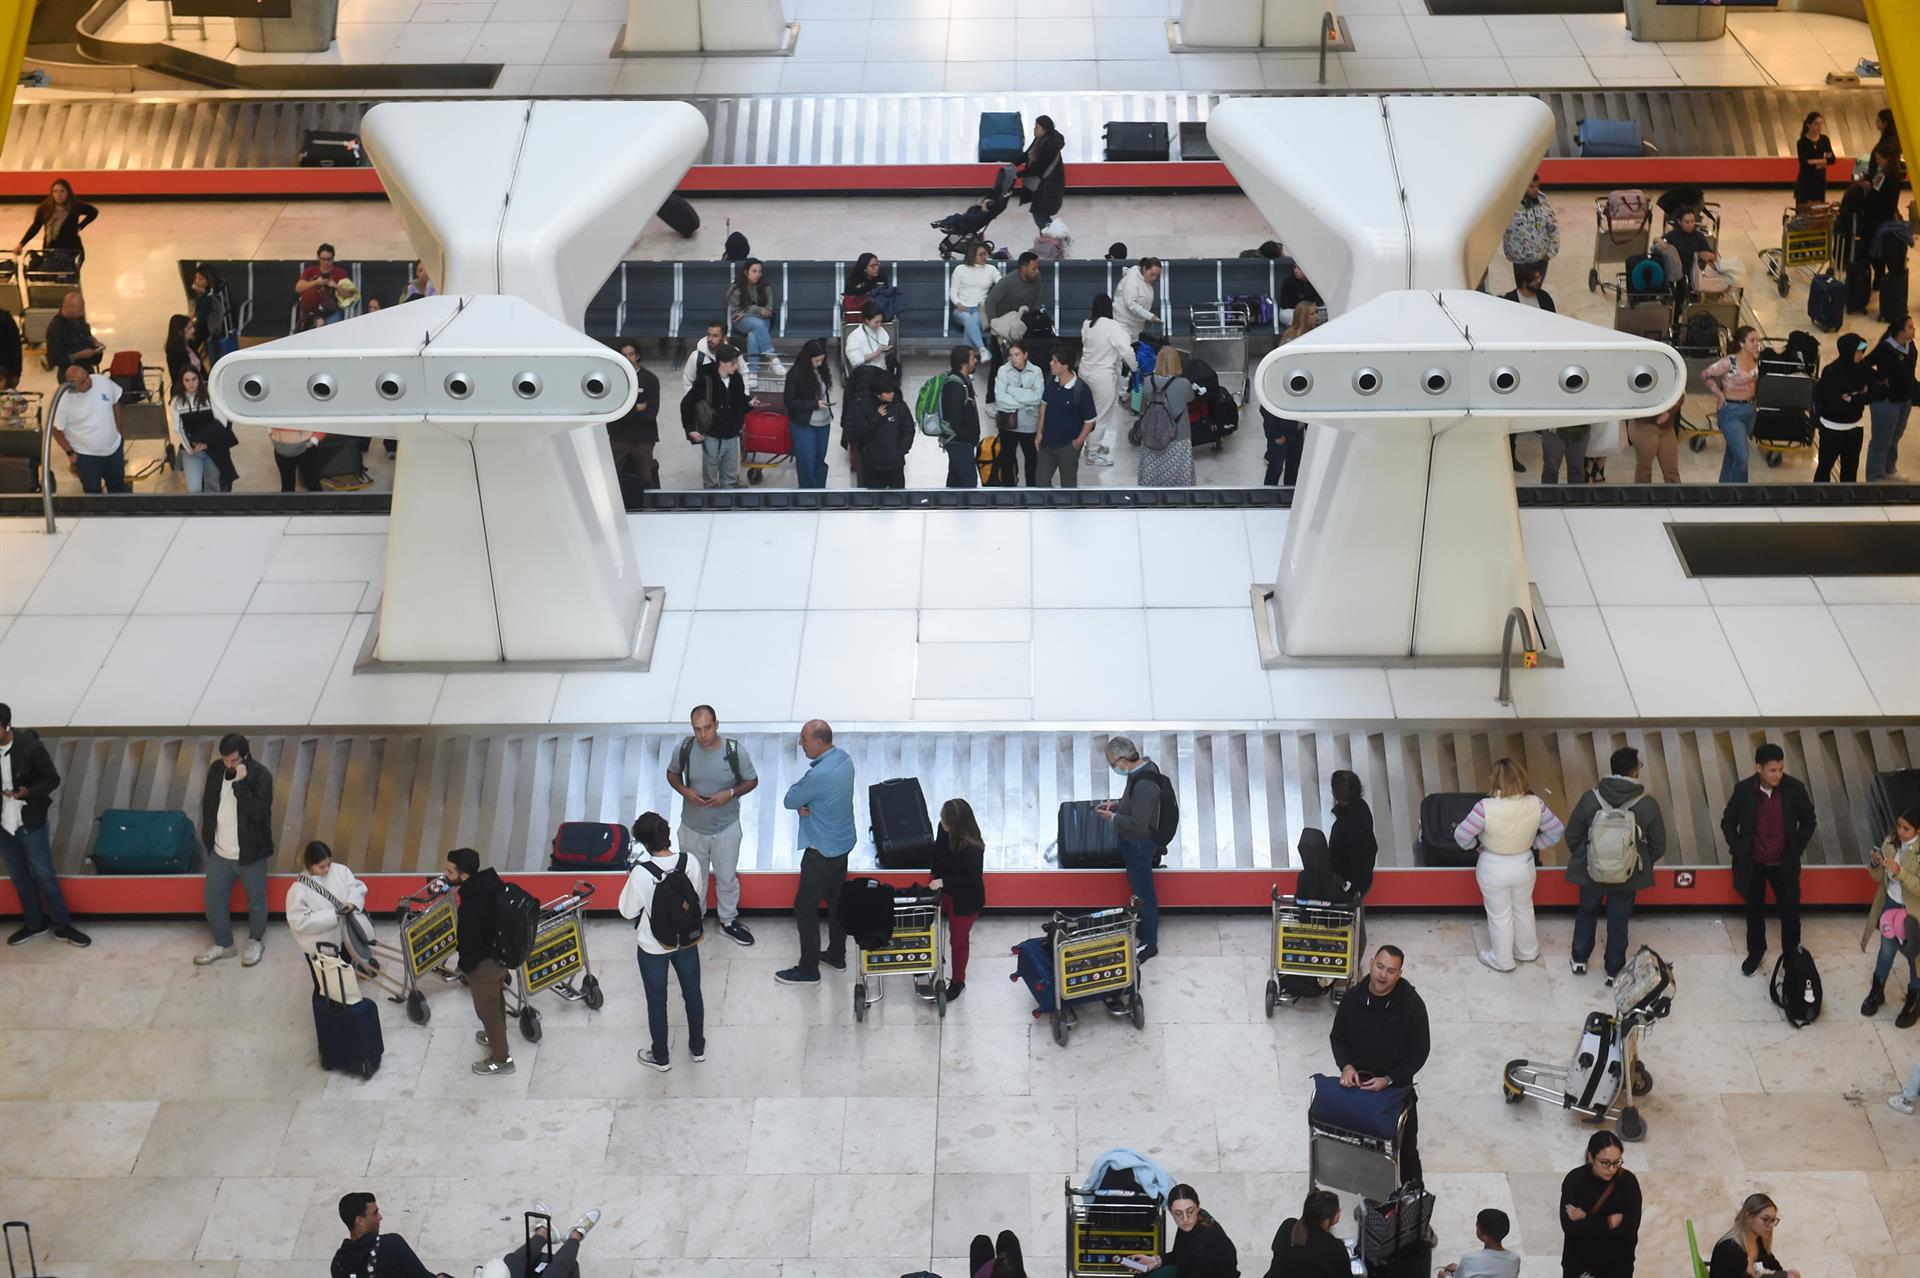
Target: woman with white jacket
967,290
1105,349
320,900
1508,826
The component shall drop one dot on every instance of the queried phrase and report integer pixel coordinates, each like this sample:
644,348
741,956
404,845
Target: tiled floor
168,1120
562,46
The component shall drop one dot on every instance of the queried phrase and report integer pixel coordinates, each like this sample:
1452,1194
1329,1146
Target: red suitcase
767,432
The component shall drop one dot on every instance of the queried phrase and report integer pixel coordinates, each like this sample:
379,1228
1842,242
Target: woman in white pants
1508,826
1105,349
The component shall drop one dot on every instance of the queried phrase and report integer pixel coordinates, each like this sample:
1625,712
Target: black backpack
1701,333
737,249
1795,987
516,916
1168,823
678,915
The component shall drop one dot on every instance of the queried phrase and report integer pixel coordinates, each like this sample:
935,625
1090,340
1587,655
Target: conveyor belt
394,801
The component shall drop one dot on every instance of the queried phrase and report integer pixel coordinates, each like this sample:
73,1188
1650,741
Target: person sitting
750,314
70,339
1490,1259
537,1257
1691,243
1201,1249
870,345
368,1253
1305,1245
1295,289
325,902
1746,1250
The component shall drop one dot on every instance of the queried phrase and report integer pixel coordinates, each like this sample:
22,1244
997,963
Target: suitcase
1135,139
1891,794
1033,963
766,432
349,1035
1439,814
1893,297
1003,137
133,842
591,845
1597,138
1086,839
1374,1115
26,1238
1827,302
1593,1078
1859,288
901,830
678,213
321,149
1193,141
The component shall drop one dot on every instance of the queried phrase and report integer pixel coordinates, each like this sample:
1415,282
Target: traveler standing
326,901
959,857
1600,1213
1532,238
27,782
1351,841
1138,821
1508,827
1614,835
809,405
1815,152
476,922
960,409
236,829
883,428
1133,297
1068,414
1767,824
967,291
1732,379
702,354
1381,1038
711,774
86,426
634,436
1526,290
58,220
1166,434
1105,350
1746,1250
714,414
1896,867
1043,174
213,313
1305,1246
1286,441
665,896
1840,399
1891,400
206,467
1656,437
1017,390
824,799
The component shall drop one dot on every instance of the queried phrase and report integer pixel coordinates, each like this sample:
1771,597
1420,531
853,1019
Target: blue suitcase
1827,302
1033,963
349,1035
1604,138
131,842
1003,137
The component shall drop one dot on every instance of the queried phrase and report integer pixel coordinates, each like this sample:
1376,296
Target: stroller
963,230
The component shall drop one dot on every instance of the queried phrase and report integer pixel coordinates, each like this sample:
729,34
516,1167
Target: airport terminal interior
1333,640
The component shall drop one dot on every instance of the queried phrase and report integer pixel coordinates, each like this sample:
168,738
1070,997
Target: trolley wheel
1059,1026
530,1024
1593,280
1697,443
859,1000
1139,1010
1785,284
1273,995
940,996
417,1009
1632,1126
754,477
1642,1080
590,991
366,1069
1773,458
1512,1094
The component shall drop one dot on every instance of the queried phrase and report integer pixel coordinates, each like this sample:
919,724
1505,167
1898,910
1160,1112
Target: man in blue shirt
824,800
1067,417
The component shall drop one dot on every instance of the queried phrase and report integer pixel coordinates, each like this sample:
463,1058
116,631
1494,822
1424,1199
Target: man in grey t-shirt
711,773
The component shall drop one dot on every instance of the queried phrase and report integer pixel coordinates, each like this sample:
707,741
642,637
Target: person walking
1532,237
236,829
1139,820
1896,868
1043,174
1508,827
1840,399
476,922
1106,357
959,858
1017,390
27,782
711,774
1767,823
809,406
1614,835
1067,417
1599,1213
1381,1038
664,878
1732,379
823,797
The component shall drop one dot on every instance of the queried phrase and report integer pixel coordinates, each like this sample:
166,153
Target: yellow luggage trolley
1105,1226
918,947
429,936
1313,938
1806,239
556,958
1096,956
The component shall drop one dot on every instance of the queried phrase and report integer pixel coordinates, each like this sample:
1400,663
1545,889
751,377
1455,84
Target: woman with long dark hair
865,276
1816,153
750,313
58,220
1201,1249
1043,174
1351,838
959,860
183,348
208,466
1305,1245
1600,1213
809,405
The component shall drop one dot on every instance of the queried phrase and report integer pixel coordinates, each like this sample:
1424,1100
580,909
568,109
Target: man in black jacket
960,410
1768,824
70,338
236,829
486,978
368,1253
714,415
1380,1040
883,429
27,782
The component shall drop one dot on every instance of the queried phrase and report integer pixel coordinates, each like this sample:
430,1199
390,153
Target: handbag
354,925
1893,923
333,976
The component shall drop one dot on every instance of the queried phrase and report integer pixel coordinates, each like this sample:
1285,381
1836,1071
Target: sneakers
775,367
491,1066
954,989
480,1037
73,936
1900,1102
796,976
1486,957
699,1055
736,932
838,962
1579,968
645,1057
1751,963
588,1219
213,954
255,950
1611,978
1876,996
1147,952
23,934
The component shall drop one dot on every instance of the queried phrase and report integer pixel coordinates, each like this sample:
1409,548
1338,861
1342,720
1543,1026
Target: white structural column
507,541
1222,23
1404,541
662,26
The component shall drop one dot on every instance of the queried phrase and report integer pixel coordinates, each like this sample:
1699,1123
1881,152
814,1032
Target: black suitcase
1439,814
1893,297
349,1035
902,833
1087,839
1136,139
1891,794
320,149
1856,294
678,213
1193,141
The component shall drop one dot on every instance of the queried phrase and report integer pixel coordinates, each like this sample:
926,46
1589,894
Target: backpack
1701,333
1156,422
219,312
1168,823
1613,843
677,915
926,407
516,916
684,756
1795,988
1803,348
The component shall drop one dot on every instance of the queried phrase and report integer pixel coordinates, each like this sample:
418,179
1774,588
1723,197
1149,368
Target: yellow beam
16,19
1896,31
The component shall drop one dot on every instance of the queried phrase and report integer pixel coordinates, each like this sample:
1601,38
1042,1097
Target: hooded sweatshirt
479,903
1620,792
1382,1034
1845,386
1133,302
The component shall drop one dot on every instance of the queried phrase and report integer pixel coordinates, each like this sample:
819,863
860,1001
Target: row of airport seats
674,300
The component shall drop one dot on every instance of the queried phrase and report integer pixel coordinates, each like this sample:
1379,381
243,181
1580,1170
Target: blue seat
811,300
382,279
703,297
1187,282
605,310
1080,282
924,320
650,295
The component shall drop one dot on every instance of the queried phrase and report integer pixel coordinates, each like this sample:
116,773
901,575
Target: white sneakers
213,954
255,950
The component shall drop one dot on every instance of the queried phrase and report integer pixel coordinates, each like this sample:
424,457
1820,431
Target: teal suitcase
132,842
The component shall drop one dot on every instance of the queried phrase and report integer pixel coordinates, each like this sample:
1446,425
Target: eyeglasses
1606,1162
1770,1220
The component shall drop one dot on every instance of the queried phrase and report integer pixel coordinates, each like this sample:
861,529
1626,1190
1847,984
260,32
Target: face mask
1118,770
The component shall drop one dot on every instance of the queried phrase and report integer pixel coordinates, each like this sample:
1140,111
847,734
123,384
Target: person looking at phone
236,829
1380,1040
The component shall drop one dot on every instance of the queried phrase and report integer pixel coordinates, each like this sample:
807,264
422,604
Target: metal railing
1329,32
46,455
1529,653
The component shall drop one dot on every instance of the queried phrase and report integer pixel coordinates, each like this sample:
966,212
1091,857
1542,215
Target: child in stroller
962,230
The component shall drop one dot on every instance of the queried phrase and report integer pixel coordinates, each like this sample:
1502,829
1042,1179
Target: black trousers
1842,446
1409,1141
1013,448
883,477
963,471
1283,455
1784,879
305,465
821,878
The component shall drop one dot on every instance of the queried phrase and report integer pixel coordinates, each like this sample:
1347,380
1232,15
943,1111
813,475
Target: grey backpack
1156,421
1613,843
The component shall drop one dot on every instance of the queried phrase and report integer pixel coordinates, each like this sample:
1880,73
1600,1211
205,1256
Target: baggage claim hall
784,638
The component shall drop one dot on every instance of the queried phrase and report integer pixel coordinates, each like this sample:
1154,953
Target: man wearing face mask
236,829
1136,818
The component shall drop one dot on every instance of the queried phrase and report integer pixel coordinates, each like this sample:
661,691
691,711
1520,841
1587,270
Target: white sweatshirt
312,917
1133,302
971,284
636,898
1104,347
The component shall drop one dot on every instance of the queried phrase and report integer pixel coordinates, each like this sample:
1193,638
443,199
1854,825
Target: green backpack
926,407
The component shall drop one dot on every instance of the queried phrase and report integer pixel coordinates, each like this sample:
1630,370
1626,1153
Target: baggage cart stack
23,418
429,936
1316,939
1105,1226
1595,1082
1783,413
1084,957
556,958
918,947
1806,241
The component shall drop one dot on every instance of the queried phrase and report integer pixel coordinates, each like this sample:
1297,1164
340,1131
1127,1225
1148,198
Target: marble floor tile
255,1219
1005,1133
248,1143
852,1212
1799,1132
137,1218
797,1134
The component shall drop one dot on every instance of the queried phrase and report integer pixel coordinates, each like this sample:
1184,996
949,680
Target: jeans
720,462
759,336
109,472
969,317
29,855
487,984
1887,421
201,474
1619,908
685,963
1883,965
1735,420
719,858
1064,458
1554,450
1138,855
1785,882
1912,1090
222,874
1506,884
1841,448
821,878
565,1262
962,471
810,454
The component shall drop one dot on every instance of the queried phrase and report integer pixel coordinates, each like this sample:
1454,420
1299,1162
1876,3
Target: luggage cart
1094,956
1806,240
1783,416
1220,338
918,947
1615,242
1343,1157
557,955
1641,314
1105,1226
1316,939
766,438
1608,1052
429,936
